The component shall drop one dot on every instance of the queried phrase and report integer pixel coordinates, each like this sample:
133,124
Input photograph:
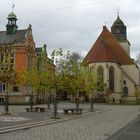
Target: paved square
98,126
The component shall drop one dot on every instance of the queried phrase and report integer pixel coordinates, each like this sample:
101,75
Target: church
110,58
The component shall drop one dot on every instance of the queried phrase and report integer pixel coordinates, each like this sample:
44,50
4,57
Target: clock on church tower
117,31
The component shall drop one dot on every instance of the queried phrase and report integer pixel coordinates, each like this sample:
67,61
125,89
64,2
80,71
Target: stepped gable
107,49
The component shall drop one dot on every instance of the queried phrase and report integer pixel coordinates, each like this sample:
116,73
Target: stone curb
50,121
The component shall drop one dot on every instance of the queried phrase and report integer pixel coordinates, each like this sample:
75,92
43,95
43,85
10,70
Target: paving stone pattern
94,127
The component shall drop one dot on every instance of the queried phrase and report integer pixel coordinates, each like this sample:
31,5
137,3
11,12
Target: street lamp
6,70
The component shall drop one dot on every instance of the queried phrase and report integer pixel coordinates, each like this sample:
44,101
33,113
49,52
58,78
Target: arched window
111,78
125,90
100,72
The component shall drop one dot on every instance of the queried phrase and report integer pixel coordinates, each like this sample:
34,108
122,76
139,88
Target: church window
100,71
91,69
111,79
125,91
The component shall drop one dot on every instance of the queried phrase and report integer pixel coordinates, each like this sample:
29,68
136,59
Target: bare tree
76,57
137,61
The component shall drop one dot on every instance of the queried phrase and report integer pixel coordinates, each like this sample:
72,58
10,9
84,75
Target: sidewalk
129,132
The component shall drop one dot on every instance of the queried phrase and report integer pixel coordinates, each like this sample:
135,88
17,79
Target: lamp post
6,71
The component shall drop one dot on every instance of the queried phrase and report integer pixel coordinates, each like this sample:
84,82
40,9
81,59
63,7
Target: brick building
19,45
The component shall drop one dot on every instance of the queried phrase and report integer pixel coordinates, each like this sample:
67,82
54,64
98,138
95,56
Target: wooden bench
29,109
73,111
35,109
40,109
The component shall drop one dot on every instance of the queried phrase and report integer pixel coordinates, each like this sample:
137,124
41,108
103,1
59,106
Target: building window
124,82
125,90
1,100
111,79
2,87
27,89
100,72
6,57
15,89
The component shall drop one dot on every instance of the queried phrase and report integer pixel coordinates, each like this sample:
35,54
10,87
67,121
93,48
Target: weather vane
13,6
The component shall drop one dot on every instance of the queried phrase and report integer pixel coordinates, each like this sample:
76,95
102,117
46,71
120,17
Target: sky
73,25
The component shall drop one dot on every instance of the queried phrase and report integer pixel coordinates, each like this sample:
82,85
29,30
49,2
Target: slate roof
19,36
118,22
107,49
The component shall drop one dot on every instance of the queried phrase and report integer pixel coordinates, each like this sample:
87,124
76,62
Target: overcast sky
73,24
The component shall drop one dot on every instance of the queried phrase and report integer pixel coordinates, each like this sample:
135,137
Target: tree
30,79
91,86
67,75
72,75
137,61
39,76
33,81
56,56
46,82
7,71
46,72
7,77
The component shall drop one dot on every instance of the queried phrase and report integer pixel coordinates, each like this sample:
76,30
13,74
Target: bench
29,109
39,109
73,111
35,109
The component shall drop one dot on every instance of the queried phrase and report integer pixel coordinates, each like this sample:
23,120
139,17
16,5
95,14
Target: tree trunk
48,102
7,101
31,101
77,101
91,104
55,114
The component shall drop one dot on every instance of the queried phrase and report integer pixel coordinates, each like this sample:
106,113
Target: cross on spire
118,10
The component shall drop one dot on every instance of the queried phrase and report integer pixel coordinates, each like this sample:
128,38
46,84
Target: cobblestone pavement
21,108
94,127
19,115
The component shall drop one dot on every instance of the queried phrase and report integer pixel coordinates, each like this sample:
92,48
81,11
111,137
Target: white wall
117,74
126,47
120,77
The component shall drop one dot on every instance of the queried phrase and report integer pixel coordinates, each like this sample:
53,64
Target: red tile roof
107,49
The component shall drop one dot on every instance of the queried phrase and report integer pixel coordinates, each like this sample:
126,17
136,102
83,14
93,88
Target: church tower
119,31
11,26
